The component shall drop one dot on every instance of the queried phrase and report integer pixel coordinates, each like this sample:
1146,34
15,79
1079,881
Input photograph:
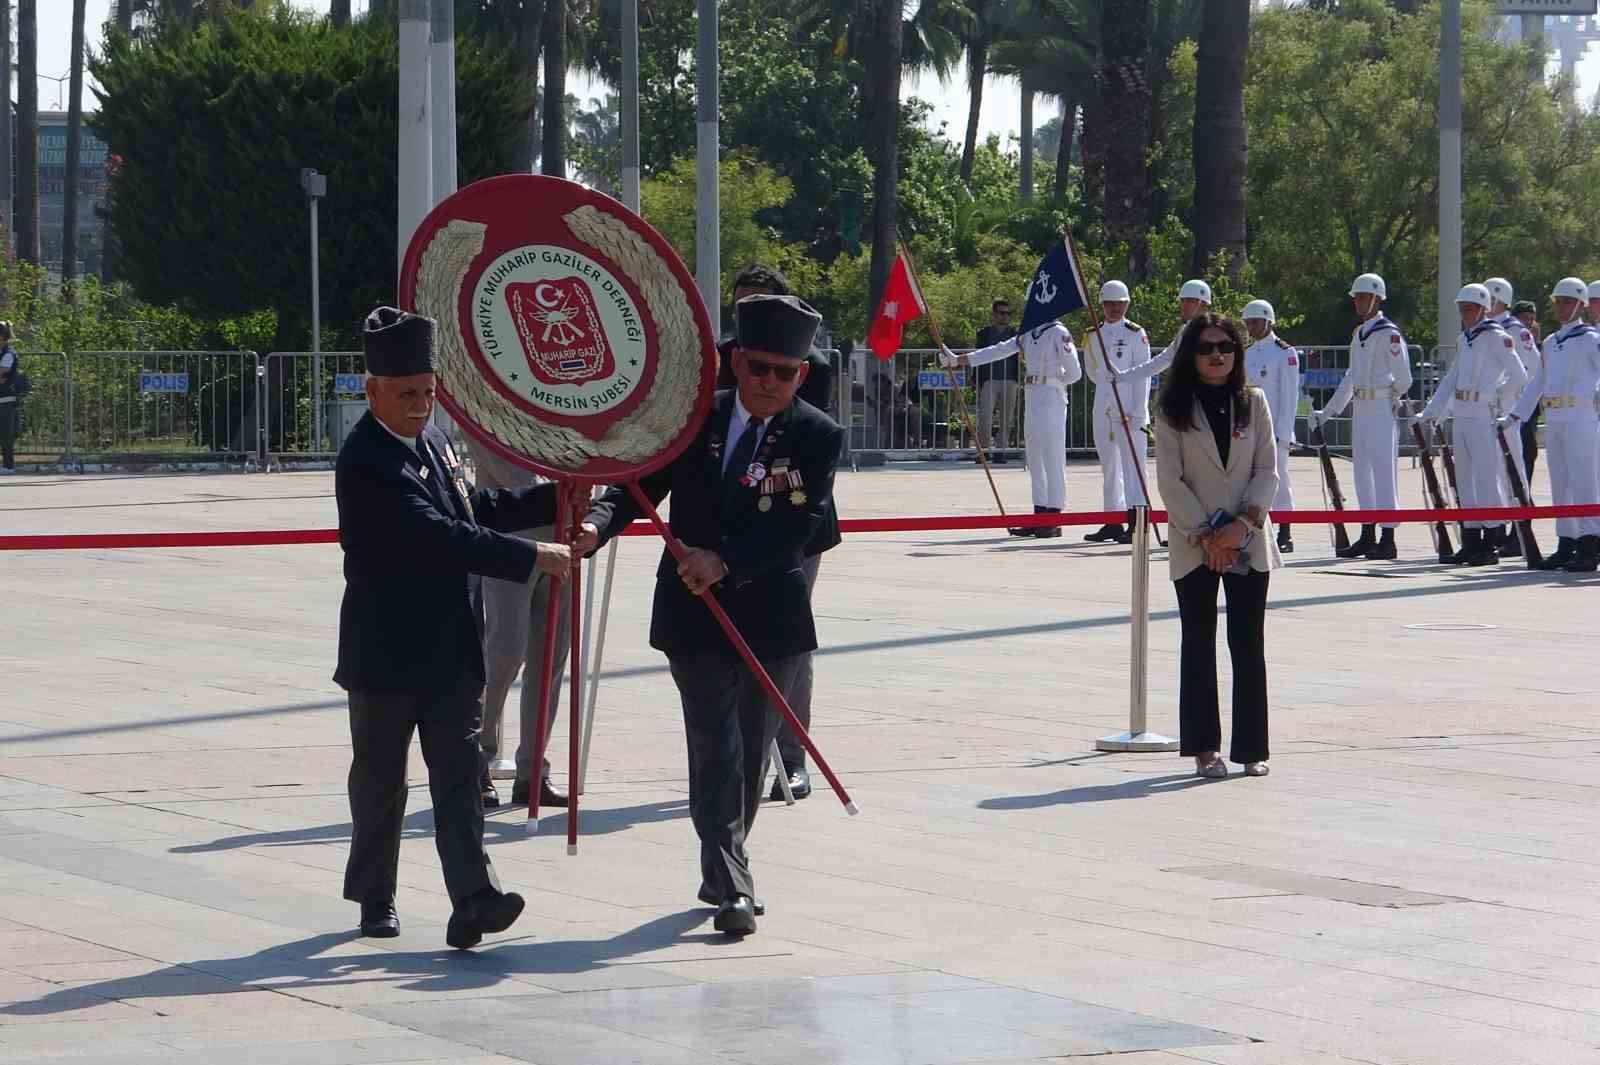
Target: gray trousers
798,693
513,635
381,723
729,724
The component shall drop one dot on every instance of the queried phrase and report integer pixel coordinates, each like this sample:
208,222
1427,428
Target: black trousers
8,433
729,724
381,723
1199,720
1530,445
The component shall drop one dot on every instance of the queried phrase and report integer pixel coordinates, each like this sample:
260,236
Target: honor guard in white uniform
1124,344
1501,297
1273,365
1482,383
1049,366
1126,356
1378,379
1594,303
1564,385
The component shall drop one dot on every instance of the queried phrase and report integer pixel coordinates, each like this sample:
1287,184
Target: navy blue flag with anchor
1057,288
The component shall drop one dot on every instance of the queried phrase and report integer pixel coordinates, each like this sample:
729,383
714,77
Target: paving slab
1413,884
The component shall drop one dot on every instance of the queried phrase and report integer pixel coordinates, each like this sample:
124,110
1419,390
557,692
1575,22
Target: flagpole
959,390
1116,393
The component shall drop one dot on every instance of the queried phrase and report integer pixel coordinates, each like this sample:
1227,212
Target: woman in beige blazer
1215,453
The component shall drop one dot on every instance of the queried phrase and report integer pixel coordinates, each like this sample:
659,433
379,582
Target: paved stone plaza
1414,883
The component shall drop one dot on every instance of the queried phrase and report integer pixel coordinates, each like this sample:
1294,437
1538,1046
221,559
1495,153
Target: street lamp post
316,186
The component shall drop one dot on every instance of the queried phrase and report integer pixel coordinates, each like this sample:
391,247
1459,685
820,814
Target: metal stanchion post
261,413
1138,737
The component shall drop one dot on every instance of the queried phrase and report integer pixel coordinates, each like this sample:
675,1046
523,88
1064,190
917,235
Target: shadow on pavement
301,966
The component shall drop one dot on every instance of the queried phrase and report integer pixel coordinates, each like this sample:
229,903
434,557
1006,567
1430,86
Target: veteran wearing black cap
748,495
416,537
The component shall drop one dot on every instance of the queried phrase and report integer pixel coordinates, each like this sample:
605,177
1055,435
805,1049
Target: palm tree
1121,128
339,14
1049,47
69,224
1220,146
553,36
27,206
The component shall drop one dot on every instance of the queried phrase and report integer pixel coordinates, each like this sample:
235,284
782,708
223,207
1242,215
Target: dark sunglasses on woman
1222,347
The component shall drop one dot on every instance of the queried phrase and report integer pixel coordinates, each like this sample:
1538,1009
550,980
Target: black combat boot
1048,532
1587,560
1285,540
1384,549
1566,551
1106,534
1029,530
1366,543
1126,535
1471,546
1484,548
1510,542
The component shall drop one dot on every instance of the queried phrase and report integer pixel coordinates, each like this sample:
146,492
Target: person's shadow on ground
301,966
498,827
1140,788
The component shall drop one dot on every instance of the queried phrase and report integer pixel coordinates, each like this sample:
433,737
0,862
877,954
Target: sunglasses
1220,347
761,367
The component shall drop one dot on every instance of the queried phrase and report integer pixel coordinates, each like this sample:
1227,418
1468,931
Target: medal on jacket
754,475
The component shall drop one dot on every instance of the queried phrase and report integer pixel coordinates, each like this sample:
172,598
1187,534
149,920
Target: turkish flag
902,302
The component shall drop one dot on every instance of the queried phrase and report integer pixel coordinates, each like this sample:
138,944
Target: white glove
1508,421
1316,419
948,359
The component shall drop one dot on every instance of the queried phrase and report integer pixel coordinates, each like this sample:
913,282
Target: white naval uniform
1129,347
1564,385
1049,365
1378,378
1482,383
1273,365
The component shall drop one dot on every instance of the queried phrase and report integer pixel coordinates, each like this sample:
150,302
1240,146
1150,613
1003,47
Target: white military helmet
1195,289
1571,288
1500,289
1369,283
1474,294
1259,309
1112,291
1594,290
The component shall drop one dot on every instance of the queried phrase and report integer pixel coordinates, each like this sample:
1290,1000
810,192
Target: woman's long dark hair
1177,391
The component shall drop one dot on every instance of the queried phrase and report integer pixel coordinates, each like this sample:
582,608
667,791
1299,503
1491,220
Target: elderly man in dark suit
817,390
748,496
416,538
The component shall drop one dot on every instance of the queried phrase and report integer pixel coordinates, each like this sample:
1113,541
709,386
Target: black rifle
1330,480
1447,454
1435,494
1531,554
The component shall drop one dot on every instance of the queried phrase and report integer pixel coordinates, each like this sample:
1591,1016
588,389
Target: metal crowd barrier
309,401
905,408
44,435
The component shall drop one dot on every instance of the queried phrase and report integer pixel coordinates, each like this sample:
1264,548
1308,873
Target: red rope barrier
933,523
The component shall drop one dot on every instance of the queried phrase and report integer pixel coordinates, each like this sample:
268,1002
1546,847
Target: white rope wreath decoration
651,426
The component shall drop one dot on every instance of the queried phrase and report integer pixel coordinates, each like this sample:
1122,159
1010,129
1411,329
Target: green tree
211,128
1219,133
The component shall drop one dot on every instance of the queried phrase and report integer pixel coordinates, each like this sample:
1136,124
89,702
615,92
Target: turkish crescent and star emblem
571,339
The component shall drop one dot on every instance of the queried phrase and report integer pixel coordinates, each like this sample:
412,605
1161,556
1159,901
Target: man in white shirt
1273,365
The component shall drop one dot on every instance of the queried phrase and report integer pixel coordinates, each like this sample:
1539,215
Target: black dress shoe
487,911
491,797
1106,534
799,784
709,897
736,916
549,794
379,919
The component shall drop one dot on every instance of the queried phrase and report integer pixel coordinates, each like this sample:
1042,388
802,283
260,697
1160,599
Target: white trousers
1120,476
1375,441
1572,450
1480,468
1044,429
1284,500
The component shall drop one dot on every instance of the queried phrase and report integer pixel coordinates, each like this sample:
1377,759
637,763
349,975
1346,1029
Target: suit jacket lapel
716,450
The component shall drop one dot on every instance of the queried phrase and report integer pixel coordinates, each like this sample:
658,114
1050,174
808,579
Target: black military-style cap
398,343
781,325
